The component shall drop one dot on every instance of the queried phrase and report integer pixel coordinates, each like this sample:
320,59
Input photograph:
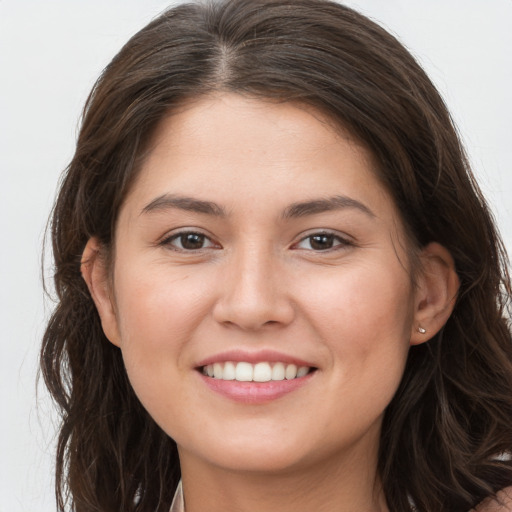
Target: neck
325,487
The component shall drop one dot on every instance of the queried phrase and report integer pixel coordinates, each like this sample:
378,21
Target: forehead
245,149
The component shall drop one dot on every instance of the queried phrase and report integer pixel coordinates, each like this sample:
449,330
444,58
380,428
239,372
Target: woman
278,280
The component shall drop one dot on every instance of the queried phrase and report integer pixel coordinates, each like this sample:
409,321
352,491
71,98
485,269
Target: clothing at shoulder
502,502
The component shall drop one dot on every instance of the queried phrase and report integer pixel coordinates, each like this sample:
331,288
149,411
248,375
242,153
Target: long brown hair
452,415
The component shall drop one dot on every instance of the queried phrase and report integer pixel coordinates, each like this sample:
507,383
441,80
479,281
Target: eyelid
343,238
168,238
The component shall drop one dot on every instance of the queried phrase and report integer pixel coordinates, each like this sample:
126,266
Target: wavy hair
451,417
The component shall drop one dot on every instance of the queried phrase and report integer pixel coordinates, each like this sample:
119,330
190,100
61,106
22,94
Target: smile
259,372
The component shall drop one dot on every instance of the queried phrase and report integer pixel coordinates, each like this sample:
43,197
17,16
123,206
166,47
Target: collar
178,504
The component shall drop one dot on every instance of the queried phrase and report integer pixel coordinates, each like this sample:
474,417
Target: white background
51,52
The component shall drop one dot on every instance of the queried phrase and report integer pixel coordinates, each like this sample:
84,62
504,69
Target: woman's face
257,241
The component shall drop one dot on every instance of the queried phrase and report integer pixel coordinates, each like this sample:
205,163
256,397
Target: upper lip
237,356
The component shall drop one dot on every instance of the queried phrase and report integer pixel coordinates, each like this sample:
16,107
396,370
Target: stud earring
421,330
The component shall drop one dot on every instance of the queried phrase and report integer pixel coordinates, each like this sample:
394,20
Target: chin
251,455
253,461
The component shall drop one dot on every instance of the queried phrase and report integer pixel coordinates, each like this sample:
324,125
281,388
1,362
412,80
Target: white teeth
262,372
291,372
259,372
278,371
229,371
244,372
218,371
302,371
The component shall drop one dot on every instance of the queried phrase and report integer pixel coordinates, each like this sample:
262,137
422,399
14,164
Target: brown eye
322,242
189,241
192,241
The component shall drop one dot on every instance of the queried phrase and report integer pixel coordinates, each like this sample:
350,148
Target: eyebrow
295,210
166,201
316,206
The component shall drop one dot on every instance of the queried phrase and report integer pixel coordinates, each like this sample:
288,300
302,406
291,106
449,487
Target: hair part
452,414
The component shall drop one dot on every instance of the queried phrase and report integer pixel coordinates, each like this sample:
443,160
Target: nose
253,293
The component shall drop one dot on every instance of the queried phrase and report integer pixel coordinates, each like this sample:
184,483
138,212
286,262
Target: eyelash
168,241
321,236
330,236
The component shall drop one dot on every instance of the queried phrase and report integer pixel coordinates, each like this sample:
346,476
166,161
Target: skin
258,282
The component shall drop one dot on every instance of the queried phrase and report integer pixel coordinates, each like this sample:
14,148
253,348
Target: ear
95,274
436,293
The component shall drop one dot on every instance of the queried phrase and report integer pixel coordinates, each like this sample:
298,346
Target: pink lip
255,392
237,356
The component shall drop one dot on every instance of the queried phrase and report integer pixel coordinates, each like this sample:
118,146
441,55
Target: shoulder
501,503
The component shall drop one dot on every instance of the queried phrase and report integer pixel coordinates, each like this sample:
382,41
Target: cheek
365,297
365,315
158,304
158,312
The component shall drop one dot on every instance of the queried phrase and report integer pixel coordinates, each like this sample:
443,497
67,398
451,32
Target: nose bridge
255,274
253,293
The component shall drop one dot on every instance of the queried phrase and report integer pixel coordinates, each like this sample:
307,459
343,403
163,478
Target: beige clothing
178,505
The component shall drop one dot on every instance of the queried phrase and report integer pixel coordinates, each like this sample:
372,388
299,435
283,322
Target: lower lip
255,392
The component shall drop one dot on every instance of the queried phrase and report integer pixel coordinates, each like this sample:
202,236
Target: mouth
259,372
